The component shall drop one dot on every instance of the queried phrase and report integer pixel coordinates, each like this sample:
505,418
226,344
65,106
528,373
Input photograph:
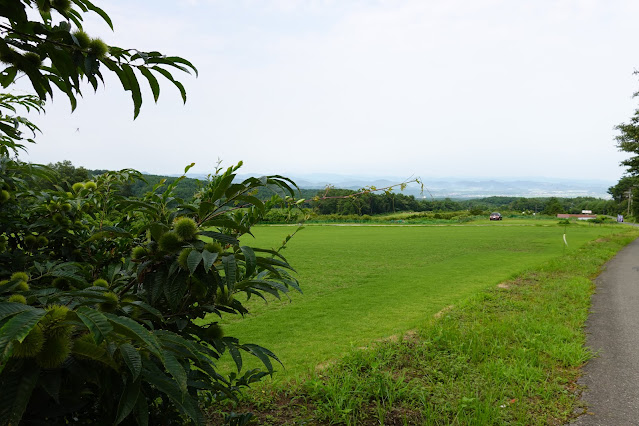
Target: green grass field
365,283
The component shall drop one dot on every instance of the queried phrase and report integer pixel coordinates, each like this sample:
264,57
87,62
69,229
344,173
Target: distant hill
459,188
465,187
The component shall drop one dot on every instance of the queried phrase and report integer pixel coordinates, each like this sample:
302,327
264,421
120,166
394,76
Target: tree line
344,202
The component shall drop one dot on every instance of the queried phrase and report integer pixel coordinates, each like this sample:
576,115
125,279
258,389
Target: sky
429,88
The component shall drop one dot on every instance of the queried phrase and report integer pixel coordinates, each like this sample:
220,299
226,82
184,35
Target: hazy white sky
510,88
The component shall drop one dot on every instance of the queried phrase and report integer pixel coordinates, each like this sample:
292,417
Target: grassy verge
510,354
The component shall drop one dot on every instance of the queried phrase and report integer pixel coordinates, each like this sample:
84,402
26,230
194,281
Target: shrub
97,328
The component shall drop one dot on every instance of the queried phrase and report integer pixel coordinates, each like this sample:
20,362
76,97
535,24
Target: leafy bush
99,293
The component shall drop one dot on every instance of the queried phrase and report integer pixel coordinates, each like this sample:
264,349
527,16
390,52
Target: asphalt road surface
612,377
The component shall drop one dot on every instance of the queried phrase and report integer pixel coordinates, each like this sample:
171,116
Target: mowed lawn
363,283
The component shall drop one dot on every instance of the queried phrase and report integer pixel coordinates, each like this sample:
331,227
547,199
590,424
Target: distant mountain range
460,187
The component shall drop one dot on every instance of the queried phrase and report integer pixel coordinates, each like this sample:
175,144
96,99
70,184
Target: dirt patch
411,336
324,365
443,311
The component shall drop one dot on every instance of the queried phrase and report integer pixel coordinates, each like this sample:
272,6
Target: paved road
612,378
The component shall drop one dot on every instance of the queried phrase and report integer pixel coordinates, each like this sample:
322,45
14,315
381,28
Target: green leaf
175,289
141,410
128,399
21,394
177,84
148,308
178,60
134,87
222,186
88,349
153,82
175,369
133,329
209,259
167,386
234,351
132,359
51,382
99,11
194,259
96,322
252,200
109,232
249,258
230,271
9,309
157,230
18,327
220,237
263,354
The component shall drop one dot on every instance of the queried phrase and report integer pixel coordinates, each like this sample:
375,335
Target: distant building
586,212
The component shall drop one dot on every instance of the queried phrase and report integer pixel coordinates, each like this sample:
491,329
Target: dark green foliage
29,38
344,202
130,352
553,207
91,331
627,189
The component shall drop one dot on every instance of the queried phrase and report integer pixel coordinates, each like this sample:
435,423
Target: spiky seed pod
61,5
22,286
44,6
100,282
33,58
222,296
22,276
110,304
66,207
111,296
59,219
10,56
198,289
82,38
169,242
138,253
98,48
31,345
90,185
18,298
53,321
61,283
185,228
4,196
55,351
3,282
42,241
77,187
30,241
214,331
214,247
183,257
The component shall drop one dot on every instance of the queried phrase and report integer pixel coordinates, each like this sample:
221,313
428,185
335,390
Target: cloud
402,87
